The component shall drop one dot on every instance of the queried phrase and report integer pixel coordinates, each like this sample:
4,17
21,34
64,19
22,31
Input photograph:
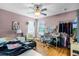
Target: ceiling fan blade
44,14
31,7
44,9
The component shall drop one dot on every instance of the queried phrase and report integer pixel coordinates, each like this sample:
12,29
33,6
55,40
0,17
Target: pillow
13,46
13,40
2,40
22,39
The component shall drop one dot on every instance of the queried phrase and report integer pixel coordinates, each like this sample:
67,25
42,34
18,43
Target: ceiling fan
38,10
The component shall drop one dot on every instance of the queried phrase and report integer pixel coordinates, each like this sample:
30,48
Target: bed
15,48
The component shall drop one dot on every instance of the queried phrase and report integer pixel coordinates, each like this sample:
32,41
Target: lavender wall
6,19
54,20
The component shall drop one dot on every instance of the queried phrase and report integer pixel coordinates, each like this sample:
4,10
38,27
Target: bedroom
44,29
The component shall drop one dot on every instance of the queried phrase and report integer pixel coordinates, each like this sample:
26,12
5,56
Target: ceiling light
37,11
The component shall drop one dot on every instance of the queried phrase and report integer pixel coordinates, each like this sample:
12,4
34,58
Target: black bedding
13,52
4,51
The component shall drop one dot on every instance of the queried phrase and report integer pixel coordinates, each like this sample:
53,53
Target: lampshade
37,13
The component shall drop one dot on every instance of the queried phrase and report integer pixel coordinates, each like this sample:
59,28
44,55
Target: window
41,27
31,27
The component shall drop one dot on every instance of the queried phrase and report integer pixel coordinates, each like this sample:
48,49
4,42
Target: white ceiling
52,8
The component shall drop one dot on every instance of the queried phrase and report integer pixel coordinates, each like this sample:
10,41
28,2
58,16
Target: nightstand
75,49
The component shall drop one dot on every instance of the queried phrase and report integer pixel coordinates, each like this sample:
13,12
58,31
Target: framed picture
15,25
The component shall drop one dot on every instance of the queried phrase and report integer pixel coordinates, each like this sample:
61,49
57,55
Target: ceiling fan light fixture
37,13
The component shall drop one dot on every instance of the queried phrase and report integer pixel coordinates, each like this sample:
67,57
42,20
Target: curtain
65,27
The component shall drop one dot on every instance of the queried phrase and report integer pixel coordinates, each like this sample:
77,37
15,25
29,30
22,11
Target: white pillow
22,39
2,40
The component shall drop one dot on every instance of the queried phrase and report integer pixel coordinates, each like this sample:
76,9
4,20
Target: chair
29,37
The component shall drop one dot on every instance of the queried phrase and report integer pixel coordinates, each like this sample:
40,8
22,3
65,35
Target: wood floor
51,51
